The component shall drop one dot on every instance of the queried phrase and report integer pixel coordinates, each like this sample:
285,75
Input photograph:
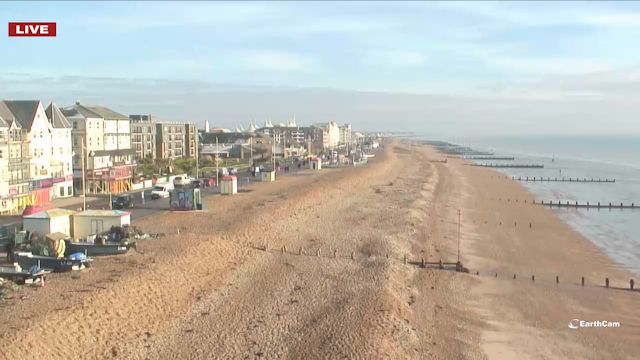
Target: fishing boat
27,260
97,249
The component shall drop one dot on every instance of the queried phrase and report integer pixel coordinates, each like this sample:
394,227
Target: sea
615,231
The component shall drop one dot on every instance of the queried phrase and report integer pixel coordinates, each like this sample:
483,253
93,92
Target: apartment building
345,134
15,162
30,116
103,136
170,140
143,136
61,153
190,141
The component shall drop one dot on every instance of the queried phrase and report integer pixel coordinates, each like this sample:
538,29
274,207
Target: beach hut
91,222
49,221
229,185
185,198
268,176
315,163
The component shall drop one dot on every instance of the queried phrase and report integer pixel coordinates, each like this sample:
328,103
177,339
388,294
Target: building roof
23,111
6,116
78,109
56,118
103,213
50,214
107,113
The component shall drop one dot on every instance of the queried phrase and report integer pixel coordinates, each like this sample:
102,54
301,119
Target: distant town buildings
44,151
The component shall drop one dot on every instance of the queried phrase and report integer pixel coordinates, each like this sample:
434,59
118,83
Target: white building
30,116
345,134
61,153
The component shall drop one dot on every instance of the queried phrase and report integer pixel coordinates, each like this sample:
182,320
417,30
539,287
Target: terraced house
34,168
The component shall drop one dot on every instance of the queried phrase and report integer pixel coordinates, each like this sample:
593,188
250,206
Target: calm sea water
616,231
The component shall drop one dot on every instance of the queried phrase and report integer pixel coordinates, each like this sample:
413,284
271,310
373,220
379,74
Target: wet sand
212,292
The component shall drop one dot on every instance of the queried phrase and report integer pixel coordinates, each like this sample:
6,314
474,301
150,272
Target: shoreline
500,241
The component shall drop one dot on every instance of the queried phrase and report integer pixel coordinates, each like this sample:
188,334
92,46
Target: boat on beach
21,276
98,249
27,260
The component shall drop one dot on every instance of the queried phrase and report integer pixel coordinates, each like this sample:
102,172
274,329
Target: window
61,190
75,124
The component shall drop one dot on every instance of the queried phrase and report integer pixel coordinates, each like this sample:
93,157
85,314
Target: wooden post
284,249
422,263
582,281
335,253
318,253
631,283
606,282
533,278
300,251
514,276
353,255
405,259
557,279
266,247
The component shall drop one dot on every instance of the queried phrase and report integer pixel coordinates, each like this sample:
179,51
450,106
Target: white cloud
271,60
629,19
402,58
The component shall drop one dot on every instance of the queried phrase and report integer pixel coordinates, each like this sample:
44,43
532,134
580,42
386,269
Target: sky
439,68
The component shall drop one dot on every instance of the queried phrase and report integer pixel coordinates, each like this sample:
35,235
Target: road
150,206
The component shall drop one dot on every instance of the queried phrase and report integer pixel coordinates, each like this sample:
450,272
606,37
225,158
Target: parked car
124,201
161,190
181,181
209,182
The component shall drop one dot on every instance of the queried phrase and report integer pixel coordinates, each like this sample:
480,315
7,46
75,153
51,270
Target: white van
161,190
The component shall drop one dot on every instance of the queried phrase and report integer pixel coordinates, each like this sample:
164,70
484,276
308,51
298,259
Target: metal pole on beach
459,213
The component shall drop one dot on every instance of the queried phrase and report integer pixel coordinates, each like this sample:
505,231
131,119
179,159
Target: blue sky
511,54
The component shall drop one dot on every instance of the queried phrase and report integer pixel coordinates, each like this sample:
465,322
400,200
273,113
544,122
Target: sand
213,292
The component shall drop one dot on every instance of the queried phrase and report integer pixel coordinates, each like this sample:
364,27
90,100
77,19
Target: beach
222,285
